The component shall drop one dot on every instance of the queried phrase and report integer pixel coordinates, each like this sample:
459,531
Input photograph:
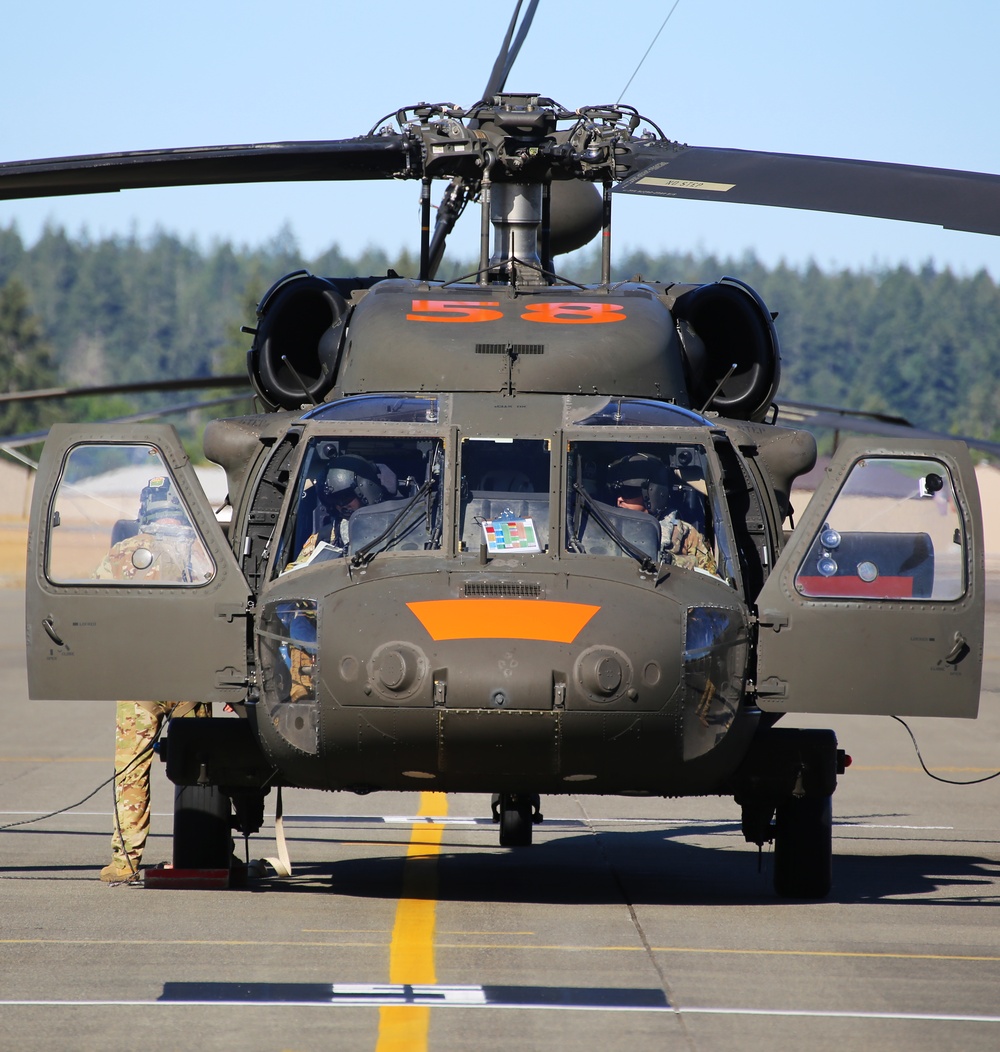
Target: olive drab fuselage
501,619
437,573
440,662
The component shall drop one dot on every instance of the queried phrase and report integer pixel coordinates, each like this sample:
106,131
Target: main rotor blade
46,394
955,200
455,196
30,439
508,52
833,418
368,157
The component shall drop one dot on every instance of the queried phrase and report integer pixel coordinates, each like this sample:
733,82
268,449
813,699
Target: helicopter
505,609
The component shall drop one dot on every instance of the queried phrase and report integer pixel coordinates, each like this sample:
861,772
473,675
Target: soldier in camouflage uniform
639,482
684,545
137,725
351,482
165,549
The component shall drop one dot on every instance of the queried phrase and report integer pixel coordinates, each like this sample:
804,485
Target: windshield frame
630,437
336,430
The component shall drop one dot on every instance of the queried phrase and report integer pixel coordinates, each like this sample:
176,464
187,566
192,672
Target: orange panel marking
850,587
503,619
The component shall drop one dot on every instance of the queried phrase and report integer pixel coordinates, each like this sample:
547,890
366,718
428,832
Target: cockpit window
505,495
646,500
642,412
380,408
118,518
893,532
360,496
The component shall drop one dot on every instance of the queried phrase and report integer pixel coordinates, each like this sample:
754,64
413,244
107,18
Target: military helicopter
512,534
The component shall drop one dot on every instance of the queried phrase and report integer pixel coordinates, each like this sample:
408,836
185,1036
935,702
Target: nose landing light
603,672
397,670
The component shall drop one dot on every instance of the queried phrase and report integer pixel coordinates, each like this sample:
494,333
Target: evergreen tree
923,344
25,361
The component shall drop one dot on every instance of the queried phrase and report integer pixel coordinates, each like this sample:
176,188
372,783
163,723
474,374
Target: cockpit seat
506,480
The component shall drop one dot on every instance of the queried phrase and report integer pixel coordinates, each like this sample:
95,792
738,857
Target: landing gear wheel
515,811
803,847
202,827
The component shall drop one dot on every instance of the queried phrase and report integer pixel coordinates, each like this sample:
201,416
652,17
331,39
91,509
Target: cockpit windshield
505,495
647,500
357,496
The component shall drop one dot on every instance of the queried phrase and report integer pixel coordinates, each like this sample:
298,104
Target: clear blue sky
911,81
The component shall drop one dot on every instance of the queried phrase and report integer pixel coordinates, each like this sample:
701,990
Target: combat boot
118,871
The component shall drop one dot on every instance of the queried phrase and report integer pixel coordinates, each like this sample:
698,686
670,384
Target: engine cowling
293,358
722,325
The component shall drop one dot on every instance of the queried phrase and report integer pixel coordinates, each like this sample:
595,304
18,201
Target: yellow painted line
509,934
376,931
404,1028
342,931
518,946
210,943
720,951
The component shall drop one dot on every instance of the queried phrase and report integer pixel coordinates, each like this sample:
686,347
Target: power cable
937,777
118,774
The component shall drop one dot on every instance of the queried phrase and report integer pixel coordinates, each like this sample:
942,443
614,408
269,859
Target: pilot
165,548
351,482
640,482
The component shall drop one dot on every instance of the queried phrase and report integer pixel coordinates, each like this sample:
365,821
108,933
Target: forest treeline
923,344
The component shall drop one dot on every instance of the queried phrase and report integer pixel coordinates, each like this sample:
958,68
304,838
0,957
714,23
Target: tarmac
628,925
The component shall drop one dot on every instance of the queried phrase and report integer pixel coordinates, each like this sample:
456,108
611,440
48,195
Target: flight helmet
644,474
351,476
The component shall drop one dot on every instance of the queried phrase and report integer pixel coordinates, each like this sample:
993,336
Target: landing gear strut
516,813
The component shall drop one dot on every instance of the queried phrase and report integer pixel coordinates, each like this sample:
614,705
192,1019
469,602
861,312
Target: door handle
958,650
50,631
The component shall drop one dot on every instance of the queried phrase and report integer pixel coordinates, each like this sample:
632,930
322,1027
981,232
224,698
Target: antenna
650,48
718,388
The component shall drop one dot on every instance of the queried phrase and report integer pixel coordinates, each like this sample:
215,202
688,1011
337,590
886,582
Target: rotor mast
508,152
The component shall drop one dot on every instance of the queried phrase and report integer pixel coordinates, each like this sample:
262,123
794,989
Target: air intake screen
502,590
510,348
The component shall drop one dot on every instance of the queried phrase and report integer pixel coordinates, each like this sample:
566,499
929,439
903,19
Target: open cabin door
131,588
876,605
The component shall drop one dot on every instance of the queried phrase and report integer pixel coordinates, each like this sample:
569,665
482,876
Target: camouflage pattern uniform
136,725
302,660
683,545
339,537
159,552
170,553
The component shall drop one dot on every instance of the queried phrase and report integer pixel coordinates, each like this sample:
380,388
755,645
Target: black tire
202,827
803,847
515,820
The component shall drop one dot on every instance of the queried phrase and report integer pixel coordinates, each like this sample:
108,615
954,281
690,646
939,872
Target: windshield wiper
362,557
594,507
